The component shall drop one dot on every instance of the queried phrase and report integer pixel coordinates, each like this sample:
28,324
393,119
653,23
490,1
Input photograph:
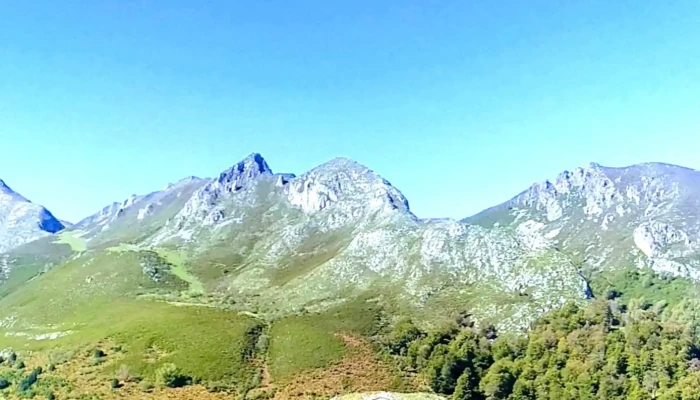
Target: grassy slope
90,300
301,343
633,283
72,239
179,268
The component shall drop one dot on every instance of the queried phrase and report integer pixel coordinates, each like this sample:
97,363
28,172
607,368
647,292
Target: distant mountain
331,234
22,221
288,275
343,229
603,218
135,217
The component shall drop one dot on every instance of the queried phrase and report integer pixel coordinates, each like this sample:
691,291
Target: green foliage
4,384
311,341
114,383
146,386
628,284
601,351
401,336
19,364
169,375
28,381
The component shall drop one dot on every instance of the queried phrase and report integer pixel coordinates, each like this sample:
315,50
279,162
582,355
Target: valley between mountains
256,284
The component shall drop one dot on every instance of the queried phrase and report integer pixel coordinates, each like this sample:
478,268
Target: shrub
50,396
169,375
61,356
51,367
146,386
114,383
403,334
19,364
612,294
4,384
28,381
124,374
98,353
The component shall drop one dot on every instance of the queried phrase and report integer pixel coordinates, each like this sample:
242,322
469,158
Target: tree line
600,350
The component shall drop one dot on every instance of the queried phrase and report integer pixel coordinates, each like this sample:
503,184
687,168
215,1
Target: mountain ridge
644,208
318,263
342,225
22,221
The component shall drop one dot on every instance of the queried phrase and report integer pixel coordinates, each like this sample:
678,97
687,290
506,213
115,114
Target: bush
4,384
612,294
169,375
51,367
50,396
98,353
59,357
403,334
28,381
114,383
19,364
146,386
124,374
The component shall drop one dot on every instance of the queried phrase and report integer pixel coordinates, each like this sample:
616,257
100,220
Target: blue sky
460,104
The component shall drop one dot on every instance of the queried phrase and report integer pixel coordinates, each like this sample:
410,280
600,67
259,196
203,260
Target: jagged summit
184,181
7,191
342,179
22,221
643,214
247,169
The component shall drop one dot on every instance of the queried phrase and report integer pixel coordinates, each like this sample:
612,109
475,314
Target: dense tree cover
603,350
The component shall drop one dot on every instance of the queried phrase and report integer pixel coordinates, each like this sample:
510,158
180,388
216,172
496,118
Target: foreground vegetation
606,350
129,321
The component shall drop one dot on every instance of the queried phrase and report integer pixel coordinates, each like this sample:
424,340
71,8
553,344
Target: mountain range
275,248
341,228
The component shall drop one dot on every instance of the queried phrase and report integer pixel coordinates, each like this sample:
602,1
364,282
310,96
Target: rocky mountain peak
641,215
204,204
243,172
8,193
182,182
343,180
22,221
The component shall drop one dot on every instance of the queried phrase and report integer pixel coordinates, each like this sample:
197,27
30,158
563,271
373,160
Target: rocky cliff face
342,228
22,221
642,215
282,243
137,216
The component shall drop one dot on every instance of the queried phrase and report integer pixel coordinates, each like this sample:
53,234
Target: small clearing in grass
180,270
72,239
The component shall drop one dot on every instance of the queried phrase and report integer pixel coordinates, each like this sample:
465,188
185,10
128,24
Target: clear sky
460,104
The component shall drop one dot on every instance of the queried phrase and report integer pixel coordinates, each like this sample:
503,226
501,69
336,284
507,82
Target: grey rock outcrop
343,227
642,215
136,215
22,221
